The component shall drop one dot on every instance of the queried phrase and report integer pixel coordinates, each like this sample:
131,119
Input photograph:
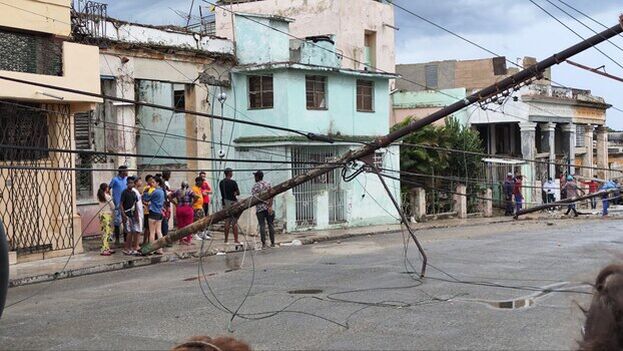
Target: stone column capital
569,127
527,126
549,127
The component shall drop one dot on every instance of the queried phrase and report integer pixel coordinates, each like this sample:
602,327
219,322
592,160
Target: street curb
172,257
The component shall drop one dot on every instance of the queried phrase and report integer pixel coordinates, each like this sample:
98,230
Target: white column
528,151
587,161
602,151
569,131
548,143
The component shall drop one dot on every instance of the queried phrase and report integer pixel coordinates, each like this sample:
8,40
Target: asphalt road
156,306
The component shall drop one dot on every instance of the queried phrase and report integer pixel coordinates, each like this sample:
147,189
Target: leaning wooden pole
563,202
354,155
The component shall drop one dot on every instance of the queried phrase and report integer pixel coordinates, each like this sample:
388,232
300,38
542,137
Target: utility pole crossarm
355,155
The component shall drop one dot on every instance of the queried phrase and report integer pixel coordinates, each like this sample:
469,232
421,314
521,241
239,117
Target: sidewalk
92,262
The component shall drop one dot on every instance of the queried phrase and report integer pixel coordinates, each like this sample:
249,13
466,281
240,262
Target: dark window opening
365,95
25,126
316,91
431,73
261,92
23,52
179,99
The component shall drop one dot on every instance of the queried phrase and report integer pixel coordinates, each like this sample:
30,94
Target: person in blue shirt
156,201
117,185
605,200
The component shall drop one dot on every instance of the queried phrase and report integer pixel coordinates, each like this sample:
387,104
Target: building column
528,151
548,143
569,131
602,151
587,161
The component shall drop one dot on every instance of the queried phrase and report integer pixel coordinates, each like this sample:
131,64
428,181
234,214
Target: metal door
305,194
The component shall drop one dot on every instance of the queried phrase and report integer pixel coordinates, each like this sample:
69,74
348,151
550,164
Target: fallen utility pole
361,153
563,202
595,70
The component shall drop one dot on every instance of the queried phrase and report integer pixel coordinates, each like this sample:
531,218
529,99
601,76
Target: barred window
316,89
260,92
23,52
365,95
25,125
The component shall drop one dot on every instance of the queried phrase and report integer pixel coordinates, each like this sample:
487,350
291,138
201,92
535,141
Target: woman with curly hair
604,319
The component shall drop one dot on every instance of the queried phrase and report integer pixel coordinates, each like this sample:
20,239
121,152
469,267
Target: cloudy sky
514,28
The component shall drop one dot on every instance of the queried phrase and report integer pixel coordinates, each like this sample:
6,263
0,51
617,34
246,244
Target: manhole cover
305,291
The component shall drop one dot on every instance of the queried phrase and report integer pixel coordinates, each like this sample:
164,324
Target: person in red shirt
206,190
517,193
592,188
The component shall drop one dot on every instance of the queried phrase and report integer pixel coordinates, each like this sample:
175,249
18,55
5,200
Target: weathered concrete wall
149,35
423,103
258,43
290,109
348,20
80,72
417,73
56,19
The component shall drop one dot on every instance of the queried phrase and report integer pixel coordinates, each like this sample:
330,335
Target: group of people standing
129,208
569,189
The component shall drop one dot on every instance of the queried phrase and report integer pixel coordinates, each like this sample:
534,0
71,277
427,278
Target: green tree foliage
441,169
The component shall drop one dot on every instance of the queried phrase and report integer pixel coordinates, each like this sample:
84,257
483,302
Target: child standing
107,208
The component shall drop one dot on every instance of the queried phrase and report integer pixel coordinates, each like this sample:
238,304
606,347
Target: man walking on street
508,187
229,195
264,210
572,192
117,185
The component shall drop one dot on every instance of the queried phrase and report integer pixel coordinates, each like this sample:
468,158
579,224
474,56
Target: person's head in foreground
604,319
206,343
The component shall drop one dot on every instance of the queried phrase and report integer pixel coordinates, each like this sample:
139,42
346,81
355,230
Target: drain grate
306,292
512,305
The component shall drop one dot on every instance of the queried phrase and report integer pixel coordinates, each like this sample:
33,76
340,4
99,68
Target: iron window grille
316,92
25,126
261,92
365,95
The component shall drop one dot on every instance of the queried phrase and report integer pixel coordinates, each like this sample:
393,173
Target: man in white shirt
549,187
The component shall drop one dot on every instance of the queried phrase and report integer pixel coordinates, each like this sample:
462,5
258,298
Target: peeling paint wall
257,43
141,34
348,20
160,93
423,103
